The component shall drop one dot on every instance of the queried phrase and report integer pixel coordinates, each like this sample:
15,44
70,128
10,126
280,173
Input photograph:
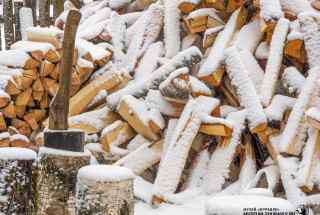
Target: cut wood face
133,119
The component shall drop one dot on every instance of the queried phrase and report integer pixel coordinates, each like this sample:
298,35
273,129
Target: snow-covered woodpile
209,95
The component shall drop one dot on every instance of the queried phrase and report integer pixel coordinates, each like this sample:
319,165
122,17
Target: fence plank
17,30
44,13
57,8
8,23
32,4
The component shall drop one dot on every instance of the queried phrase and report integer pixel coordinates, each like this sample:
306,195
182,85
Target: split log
156,121
12,130
237,73
274,62
293,132
3,124
116,134
187,6
143,157
249,36
99,119
46,83
183,136
9,111
97,53
84,69
51,35
23,98
215,126
55,72
316,4
309,180
185,58
149,30
20,110
229,91
45,101
23,82
4,139
293,48
201,19
210,36
52,56
9,58
30,102
212,71
166,108
25,130
134,112
312,116
75,84
31,120
107,81
217,4
198,88
17,123
311,38
45,68
31,73
4,99
18,140
8,85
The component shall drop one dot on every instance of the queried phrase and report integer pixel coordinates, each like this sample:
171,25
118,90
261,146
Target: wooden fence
41,16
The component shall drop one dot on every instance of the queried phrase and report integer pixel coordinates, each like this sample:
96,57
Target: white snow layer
220,44
171,28
293,80
13,153
299,110
249,36
174,160
274,61
105,173
278,106
270,10
26,21
244,88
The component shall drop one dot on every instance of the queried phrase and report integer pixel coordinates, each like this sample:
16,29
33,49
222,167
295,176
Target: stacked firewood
30,78
208,91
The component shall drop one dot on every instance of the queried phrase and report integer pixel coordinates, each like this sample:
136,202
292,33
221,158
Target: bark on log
18,184
105,196
57,183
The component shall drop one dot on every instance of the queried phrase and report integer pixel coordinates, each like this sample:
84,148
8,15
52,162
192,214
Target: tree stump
105,190
17,181
57,180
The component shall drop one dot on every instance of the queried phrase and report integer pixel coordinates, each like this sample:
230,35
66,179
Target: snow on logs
111,190
182,138
274,62
293,136
245,90
185,58
212,71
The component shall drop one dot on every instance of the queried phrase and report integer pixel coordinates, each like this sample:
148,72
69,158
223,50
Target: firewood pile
218,95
